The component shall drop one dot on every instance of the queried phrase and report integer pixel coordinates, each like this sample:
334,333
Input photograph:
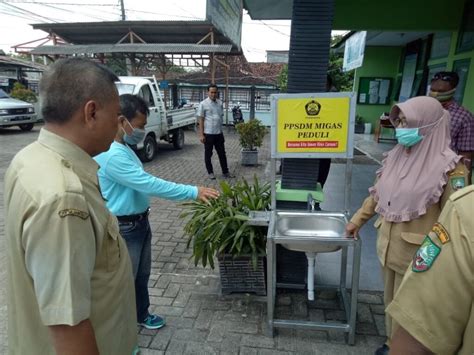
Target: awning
152,48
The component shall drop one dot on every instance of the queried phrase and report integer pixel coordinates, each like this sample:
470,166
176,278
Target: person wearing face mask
127,188
416,179
443,87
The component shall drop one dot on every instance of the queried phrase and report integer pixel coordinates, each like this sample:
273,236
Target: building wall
385,62
378,62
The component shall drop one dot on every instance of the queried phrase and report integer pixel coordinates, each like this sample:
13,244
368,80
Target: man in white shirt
210,113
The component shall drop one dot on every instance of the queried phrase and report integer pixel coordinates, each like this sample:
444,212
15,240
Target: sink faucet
311,203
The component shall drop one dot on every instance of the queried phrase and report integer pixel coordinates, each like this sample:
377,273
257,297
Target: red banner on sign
312,144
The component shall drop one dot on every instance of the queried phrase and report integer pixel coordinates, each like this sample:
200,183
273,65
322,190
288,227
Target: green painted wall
378,62
468,99
385,61
402,15
377,15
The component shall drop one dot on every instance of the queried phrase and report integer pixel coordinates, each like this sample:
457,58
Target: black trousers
324,165
215,141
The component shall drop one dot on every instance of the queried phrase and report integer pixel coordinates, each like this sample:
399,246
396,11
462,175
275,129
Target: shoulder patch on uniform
425,256
458,182
441,233
73,212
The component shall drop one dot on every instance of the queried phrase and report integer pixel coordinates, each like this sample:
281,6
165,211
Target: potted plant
220,229
251,134
359,124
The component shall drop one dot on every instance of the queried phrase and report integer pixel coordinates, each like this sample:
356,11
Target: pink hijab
410,182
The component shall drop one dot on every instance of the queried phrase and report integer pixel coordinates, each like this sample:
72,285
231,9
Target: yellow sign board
313,125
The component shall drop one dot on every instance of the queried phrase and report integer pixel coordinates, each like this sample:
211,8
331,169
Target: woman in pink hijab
417,177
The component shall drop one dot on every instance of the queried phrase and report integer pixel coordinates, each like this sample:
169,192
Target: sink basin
317,232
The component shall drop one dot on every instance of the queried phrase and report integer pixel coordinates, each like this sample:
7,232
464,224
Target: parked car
162,124
15,112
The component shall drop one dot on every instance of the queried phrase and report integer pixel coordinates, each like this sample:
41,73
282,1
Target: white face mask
442,96
136,136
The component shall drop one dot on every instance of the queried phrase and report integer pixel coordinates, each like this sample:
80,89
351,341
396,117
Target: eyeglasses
398,122
444,77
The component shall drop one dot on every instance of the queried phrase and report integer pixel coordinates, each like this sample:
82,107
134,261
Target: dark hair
449,76
69,83
131,104
212,86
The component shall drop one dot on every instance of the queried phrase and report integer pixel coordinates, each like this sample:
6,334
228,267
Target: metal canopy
404,15
152,48
148,31
7,62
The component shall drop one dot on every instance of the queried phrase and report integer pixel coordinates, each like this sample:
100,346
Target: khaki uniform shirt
436,305
398,242
67,262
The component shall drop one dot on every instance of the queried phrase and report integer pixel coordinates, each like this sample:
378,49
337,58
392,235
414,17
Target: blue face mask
136,136
408,137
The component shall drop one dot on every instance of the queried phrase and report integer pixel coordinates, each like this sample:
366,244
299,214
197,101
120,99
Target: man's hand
403,343
202,138
74,340
352,230
205,193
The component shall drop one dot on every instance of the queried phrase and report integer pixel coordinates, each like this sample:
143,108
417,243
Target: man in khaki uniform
69,273
434,305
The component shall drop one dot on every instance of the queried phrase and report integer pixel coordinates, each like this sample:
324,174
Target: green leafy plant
359,119
221,226
283,78
20,92
251,134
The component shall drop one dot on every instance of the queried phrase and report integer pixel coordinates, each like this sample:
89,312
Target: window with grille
239,97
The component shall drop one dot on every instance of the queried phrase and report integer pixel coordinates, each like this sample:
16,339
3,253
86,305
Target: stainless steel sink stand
331,244
312,232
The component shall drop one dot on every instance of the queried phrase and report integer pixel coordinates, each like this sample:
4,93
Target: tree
343,81
20,92
283,78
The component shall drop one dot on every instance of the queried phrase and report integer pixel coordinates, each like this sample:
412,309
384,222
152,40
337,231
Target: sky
17,15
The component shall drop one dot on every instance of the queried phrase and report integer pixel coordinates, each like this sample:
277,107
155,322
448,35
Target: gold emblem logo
312,108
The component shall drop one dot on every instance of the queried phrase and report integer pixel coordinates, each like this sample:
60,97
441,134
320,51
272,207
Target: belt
134,217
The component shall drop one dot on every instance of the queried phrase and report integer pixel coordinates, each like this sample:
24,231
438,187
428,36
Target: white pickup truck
162,123
15,112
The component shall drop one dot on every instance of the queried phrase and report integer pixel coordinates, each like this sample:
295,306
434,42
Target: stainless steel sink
317,232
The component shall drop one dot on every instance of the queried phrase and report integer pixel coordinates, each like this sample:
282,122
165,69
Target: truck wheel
149,149
26,126
178,139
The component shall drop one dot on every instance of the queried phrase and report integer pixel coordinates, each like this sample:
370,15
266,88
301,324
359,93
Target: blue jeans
137,235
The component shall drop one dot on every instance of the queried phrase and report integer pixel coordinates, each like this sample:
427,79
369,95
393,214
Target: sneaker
383,350
212,176
153,321
229,176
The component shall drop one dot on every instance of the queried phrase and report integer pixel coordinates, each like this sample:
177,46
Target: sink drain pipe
311,261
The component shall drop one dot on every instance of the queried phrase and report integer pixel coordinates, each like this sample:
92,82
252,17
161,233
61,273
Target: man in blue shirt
127,187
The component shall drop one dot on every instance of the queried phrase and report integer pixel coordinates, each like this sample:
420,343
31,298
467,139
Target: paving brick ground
199,319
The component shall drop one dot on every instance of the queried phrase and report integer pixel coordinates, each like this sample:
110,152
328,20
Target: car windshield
125,88
3,95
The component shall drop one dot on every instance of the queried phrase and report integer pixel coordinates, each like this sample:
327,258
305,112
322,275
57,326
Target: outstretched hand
205,193
352,230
